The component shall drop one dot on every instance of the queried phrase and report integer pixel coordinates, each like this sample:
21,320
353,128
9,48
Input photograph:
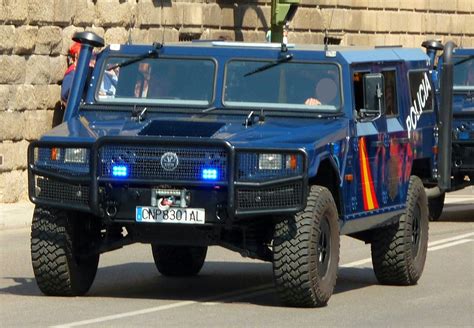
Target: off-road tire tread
52,254
392,260
294,269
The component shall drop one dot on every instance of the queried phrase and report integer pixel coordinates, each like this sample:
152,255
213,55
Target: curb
16,215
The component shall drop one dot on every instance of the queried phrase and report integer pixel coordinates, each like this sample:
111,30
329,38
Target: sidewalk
16,215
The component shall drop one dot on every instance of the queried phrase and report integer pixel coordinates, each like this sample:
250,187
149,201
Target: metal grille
248,168
267,198
145,162
43,161
48,189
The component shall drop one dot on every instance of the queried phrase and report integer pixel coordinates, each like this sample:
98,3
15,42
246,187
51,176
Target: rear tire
306,252
179,261
399,251
435,205
61,255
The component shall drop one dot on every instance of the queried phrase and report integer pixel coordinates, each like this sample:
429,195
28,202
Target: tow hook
111,209
164,198
165,203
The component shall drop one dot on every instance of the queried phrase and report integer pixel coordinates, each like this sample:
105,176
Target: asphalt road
232,291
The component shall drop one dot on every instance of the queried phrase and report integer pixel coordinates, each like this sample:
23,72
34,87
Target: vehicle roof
350,54
464,51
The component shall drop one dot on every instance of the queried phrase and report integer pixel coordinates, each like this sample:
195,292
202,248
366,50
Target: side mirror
374,102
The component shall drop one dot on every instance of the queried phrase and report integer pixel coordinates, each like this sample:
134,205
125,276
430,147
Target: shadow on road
216,281
453,212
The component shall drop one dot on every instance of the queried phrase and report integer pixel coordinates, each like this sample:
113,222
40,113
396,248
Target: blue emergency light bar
209,174
120,171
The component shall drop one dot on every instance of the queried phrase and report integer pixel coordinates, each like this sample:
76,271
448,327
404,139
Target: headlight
277,162
75,155
256,166
270,161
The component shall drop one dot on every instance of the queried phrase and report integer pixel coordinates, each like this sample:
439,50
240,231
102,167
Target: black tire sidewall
327,282
416,197
393,258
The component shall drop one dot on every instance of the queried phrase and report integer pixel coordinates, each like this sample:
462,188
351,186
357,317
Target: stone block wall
35,36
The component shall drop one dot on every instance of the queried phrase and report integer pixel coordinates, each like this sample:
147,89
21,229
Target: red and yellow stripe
368,190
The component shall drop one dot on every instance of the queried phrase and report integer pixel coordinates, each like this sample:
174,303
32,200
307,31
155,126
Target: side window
464,72
390,78
358,80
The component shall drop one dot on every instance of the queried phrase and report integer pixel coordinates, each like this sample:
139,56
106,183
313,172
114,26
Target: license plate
171,215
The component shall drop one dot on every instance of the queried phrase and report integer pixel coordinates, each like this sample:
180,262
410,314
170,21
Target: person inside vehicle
161,82
109,82
325,93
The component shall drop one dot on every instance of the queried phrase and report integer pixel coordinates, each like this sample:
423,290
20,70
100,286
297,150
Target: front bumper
231,196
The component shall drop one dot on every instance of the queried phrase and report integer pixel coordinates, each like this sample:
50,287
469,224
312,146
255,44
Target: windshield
289,86
159,81
464,73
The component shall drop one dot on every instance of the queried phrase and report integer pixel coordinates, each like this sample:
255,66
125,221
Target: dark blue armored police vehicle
458,112
269,150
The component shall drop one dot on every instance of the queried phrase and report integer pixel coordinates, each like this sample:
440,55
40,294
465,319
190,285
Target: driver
325,91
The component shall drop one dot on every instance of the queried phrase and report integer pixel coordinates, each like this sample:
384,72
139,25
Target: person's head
326,90
162,79
73,53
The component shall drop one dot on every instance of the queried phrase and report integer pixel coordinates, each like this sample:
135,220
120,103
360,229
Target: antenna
326,32
163,34
131,27
163,19
284,41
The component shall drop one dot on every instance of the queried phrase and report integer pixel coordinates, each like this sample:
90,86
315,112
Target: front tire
306,252
179,261
399,251
61,255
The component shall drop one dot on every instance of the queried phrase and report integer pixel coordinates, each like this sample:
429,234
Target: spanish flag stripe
368,190
372,189
363,168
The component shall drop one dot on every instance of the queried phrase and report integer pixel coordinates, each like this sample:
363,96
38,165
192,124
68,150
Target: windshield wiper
150,54
277,62
462,61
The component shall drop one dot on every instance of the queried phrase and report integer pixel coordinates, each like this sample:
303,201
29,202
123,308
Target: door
370,143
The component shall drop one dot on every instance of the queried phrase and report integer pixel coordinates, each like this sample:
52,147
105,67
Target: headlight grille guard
77,183
267,182
61,179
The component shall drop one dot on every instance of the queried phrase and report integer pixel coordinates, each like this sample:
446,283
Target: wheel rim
324,248
416,231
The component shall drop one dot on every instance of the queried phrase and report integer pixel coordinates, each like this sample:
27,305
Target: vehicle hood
274,132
